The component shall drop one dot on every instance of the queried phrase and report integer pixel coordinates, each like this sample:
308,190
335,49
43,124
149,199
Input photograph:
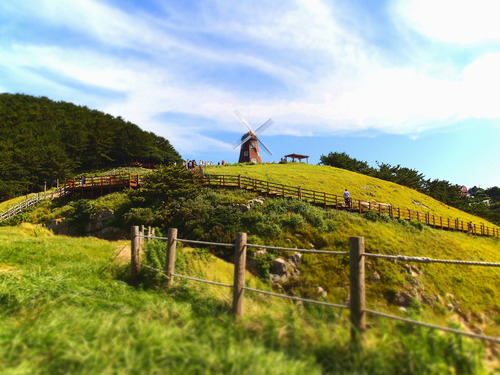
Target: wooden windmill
249,142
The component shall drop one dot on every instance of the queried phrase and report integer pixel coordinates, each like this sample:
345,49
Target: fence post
240,255
171,247
149,233
134,256
357,281
239,181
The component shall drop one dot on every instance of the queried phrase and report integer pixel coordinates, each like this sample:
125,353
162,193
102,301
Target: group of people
191,164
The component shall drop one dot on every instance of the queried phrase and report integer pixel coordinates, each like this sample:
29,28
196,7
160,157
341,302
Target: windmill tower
249,142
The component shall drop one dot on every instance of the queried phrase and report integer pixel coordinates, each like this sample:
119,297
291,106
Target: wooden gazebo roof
297,156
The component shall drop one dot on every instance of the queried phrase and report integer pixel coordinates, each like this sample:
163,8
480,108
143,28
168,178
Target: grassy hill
41,279
335,180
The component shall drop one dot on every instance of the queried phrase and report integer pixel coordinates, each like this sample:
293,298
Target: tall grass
66,308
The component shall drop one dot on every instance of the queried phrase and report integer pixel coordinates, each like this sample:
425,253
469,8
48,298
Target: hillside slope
335,181
65,309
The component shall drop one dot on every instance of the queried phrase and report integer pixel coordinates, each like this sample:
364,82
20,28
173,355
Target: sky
408,82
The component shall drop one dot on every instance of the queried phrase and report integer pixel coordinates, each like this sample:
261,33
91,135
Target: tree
169,183
344,161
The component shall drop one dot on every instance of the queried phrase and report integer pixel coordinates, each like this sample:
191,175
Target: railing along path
357,255
329,200
92,186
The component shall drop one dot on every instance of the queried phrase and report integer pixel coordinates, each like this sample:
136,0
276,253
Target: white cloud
334,80
452,21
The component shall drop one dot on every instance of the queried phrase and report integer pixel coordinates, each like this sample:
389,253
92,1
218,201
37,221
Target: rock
59,226
412,270
279,267
273,278
402,309
295,258
321,292
253,202
99,220
402,299
375,277
260,251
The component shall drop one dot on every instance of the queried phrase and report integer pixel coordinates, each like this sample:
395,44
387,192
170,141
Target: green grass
335,180
66,308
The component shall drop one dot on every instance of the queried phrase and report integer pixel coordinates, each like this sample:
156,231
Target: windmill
249,142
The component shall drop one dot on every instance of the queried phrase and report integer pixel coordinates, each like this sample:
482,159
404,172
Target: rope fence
357,255
405,258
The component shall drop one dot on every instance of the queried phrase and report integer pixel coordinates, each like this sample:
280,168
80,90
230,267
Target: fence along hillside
90,187
357,255
328,200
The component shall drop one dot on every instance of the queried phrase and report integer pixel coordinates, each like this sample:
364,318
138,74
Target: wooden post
399,213
239,181
357,286
134,256
240,256
149,233
170,261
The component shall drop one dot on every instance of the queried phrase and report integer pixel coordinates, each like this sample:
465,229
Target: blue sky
414,82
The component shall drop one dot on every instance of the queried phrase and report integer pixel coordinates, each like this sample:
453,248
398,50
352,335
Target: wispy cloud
327,75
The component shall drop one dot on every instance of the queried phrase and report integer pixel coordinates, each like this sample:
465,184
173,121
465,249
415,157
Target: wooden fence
357,255
99,185
31,201
328,200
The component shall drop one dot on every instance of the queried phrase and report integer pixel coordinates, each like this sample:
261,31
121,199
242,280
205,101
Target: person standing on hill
347,198
471,228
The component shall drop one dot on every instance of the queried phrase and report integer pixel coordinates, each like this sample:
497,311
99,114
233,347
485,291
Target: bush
385,218
293,221
417,224
371,215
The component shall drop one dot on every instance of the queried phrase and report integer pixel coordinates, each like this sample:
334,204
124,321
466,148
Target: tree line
43,140
441,190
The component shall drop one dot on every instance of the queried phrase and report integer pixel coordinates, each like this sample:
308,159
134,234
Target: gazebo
297,156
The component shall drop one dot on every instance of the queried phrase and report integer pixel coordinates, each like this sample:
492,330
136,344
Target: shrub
417,224
385,218
371,215
293,221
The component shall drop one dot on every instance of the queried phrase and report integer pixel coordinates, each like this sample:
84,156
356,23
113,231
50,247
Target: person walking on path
471,228
347,198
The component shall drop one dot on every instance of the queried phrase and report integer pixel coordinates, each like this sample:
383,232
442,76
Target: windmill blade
264,126
238,143
243,121
265,147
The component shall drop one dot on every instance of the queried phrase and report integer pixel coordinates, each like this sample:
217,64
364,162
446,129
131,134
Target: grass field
66,308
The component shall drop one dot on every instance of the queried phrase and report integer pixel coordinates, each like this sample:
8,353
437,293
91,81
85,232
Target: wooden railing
329,200
97,185
31,201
